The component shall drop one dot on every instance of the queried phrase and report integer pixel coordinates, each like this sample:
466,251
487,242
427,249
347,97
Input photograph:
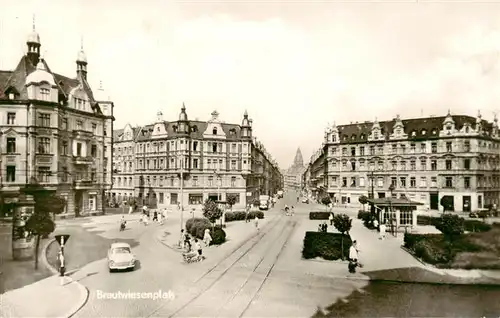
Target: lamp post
391,189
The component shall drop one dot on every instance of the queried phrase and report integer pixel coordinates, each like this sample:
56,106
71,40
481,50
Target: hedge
241,215
469,225
367,218
325,245
196,227
319,215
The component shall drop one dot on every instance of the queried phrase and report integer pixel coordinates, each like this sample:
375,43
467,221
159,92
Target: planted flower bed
196,227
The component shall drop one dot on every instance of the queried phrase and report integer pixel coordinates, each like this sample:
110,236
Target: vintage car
305,200
120,257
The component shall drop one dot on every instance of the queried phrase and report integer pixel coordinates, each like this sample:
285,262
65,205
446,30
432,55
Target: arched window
214,131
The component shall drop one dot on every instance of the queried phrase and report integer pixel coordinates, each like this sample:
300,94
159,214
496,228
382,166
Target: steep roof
197,130
118,134
358,132
17,80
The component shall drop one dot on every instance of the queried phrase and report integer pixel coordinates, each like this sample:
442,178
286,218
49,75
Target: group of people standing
191,244
158,216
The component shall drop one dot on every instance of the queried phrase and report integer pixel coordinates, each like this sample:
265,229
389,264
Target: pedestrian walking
257,223
130,209
160,217
155,216
383,228
207,238
197,247
187,241
375,224
353,257
247,216
145,219
331,219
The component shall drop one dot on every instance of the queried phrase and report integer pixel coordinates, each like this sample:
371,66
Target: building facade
293,175
214,159
54,131
424,159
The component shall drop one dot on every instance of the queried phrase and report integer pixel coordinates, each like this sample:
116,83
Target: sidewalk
45,298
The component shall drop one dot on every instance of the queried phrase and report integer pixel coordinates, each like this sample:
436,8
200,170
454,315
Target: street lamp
391,189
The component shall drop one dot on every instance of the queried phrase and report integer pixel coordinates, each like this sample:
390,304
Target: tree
211,211
47,205
343,224
451,226
231,200
326,201
363,200
446,202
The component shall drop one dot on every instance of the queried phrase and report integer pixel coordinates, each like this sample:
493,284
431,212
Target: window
94,128
11,173
78,149
375,135
406,218
394,148
353,151
11,145
361,182
372,150
195,199
403,165
44,120
210,181
195,181
65,147
209,164
467,182
449,146
93,151
413,182
353,165
423,182
413,165
393,164
233,182
334,151
161,198
195,146
11,118
380,182
394,182
434,147
64,176
466,146
195,163
433,182
448,164
173,198
44,145
344,182
423,164
214,147
64,123
233,148
45,94
353,182
233,164
79,125
449,182
361,151
380,149
467,164
433,165
171,181
214,131
403,149
43,174
413,148
380,165
402,182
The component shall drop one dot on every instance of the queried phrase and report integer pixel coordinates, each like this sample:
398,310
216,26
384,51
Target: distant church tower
298,161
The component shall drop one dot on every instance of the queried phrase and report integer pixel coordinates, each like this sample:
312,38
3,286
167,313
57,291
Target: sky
295,66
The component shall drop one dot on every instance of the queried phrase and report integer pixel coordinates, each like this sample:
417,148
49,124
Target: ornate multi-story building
215,160
53,130
293,175
424,159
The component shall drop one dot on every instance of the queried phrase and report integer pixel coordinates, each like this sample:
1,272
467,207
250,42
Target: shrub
433,253
411,239
476,226
196,226
325,245
319,215
450,225
367,218
241,215
211,210
218,235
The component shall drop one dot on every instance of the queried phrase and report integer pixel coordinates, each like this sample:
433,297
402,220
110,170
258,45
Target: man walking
353,257
331,219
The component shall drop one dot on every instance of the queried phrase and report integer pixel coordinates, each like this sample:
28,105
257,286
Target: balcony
79,160
84,184
83,134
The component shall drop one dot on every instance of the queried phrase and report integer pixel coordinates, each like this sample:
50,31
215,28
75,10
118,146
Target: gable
159,130
214,130
128,133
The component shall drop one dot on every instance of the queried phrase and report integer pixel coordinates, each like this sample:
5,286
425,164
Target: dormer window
174,128
424,132
467,129
353,137
345,138
375,135
158,129
12,96
214,131
434,131
194,128
45,94
363,136
334,138
232,132
448,127
414,133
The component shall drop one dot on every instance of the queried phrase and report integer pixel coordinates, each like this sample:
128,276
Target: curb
84,292
159,237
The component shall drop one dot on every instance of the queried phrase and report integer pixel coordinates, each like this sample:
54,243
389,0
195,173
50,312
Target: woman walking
207,238
257,223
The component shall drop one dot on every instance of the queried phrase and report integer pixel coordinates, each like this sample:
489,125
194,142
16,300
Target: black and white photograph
249,158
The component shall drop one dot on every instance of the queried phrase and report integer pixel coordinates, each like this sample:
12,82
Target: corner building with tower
212,159
424,159
55,131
